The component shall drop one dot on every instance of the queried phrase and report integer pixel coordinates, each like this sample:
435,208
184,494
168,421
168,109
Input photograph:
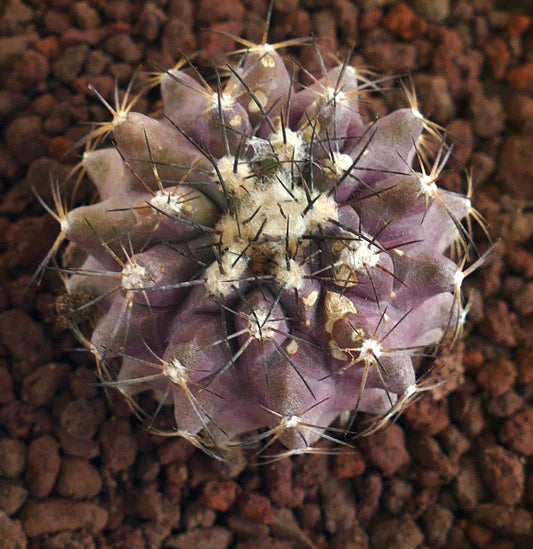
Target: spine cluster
261,258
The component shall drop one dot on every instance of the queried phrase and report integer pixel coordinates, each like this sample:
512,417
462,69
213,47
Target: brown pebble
454,442
504,405
122,47
12,496
176,449
468,488
127,536
278,481
76,447
256,507
54,515
338,504
479,535
496,376
437,522
396,494
78,479
43,466
467,411
505,520
386,449
84,382
39,387
12,533
177,36
517,432
149,21
119,447
514,168
210,11
80,418
503,474
17,418
354,538
426,450
196,515
217,536
6,384
85,16
70,540
428,415
247,528
391,533
105,84
25,138
69,64
31,68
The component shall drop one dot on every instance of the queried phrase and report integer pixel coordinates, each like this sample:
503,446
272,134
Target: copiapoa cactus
261,258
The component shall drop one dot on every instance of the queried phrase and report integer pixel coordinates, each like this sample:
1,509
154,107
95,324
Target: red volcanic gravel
78,470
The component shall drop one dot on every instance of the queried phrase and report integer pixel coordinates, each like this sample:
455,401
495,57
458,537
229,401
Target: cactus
262,259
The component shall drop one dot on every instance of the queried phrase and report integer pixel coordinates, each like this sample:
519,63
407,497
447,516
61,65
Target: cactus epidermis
263,258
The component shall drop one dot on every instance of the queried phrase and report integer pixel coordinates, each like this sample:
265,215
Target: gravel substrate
77,471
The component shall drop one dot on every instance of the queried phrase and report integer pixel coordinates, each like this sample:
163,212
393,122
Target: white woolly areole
171,204
341,163
291,278
225,100
427,185
359,255
288,145
290,422
334,95
175,371
370,351
237,182
223,275
260,326
458,278
133,276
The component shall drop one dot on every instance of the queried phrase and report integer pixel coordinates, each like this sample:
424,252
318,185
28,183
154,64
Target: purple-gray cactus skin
263,259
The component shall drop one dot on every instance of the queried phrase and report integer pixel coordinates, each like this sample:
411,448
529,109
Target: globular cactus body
262,258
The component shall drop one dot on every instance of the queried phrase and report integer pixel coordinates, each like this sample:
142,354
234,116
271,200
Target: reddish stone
43,466
503,474
402,21
348,463
496,376
521,77
105,85
78,479
119,447
61,149
54,515
40,386
517,432
386,449
370,19
256,507
428,415
518,24
479,535
220,496
498,57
